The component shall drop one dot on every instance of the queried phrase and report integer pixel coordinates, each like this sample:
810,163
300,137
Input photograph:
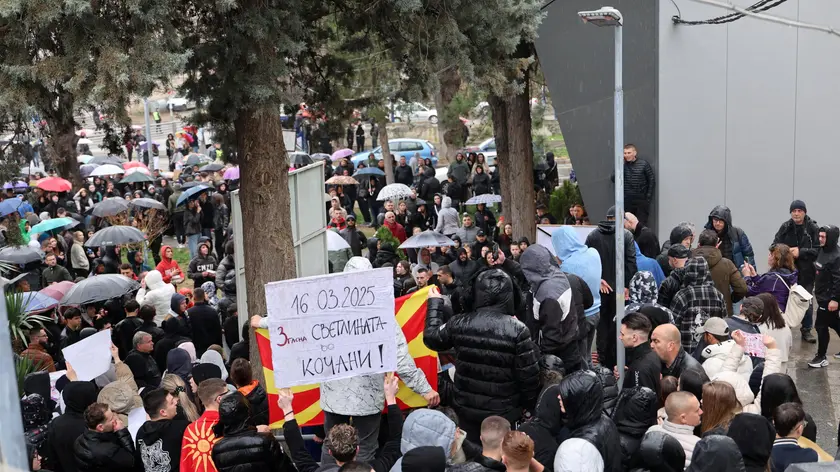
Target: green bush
562,198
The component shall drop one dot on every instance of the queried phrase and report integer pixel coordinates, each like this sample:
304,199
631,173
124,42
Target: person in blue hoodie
646,263
578,259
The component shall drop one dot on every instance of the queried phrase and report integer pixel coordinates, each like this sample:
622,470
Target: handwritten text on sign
331,327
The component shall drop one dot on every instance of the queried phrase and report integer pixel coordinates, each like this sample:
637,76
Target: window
410,146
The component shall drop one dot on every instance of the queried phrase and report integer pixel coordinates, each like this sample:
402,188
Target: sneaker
818,361
837,356
808,337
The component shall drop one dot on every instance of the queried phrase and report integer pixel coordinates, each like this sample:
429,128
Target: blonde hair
176,386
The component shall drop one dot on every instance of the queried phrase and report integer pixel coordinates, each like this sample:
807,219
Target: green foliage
384,235
562,198
21,322
23,367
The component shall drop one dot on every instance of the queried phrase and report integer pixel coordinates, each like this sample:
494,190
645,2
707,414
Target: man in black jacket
801,234
343,439
496,363
106,446
644,236
429,185
140,361
603,241
205,322
63,431
639,183
123,332
208,213
666,342
355,238
643,366
827,291
403,173
159,439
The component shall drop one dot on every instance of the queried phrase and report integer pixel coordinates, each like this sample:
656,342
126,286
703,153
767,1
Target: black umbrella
136,177
115,235
150,203
86,169
212,167
20,254
99,288
299,159
102,160
194,183
110,206
195,159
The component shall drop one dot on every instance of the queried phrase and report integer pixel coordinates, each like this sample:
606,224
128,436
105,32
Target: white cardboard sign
330,327
90,357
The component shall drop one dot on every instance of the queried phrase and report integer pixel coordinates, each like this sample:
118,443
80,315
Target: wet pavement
819,389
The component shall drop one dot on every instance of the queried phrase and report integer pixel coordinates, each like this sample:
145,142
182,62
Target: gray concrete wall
747,113
577,59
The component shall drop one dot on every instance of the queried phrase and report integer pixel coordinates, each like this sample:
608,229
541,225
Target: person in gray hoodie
428,428
448,219
553,322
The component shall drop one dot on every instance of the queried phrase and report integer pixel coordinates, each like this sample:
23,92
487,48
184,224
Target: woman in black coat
241,448
480,181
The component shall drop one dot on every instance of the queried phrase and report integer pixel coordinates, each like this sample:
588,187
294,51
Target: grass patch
182,256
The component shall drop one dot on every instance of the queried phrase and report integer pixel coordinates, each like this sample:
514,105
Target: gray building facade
741,114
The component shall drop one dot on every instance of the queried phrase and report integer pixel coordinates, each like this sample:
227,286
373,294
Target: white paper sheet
91,356
136,418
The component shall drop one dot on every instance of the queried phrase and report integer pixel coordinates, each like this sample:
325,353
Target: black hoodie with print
158,446
828,267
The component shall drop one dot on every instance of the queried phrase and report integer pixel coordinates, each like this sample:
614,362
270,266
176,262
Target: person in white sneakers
719,342
684,412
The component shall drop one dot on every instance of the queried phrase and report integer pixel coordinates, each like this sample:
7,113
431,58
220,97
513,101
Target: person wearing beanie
801,234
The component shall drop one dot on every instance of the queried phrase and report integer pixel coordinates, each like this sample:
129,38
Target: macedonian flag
410,312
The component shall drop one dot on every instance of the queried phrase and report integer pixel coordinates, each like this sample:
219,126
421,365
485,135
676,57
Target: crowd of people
520,387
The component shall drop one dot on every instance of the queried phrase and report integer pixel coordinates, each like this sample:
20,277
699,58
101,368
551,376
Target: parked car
401,147
416,112
486,147
180,104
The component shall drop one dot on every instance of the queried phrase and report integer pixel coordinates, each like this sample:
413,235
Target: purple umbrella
15,185
232,173
341,154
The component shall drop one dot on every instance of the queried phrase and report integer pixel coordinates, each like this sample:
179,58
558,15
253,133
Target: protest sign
331,327
90,357
136,418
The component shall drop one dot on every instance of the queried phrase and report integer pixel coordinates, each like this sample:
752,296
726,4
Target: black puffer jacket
827,284
497,364
63,431
634,413
582,396
661,452
386,255
258,400
241,448
806,237
603,240
716,453
105,452
610,388
545,427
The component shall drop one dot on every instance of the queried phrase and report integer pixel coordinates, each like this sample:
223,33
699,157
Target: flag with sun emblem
198,442
410,312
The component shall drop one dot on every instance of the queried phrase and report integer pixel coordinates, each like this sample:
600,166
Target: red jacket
168,267
397,230
198,444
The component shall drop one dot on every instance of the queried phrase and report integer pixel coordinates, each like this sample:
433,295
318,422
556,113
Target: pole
619,201
148,131
172,118
12,447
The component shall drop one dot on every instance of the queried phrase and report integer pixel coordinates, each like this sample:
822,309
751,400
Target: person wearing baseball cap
718,340
802,235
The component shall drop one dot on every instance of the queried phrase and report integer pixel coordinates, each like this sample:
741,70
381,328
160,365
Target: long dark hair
775,390
771,316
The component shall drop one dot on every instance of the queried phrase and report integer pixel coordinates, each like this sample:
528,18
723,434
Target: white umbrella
84,141
136,127
107,169
84,132
394,192
83,158
335,242
486,199
427,238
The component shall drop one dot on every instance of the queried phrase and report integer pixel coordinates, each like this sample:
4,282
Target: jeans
585,342
367,428
826,319
192,243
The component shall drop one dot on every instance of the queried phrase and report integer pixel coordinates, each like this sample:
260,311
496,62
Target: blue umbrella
17,185
191,192
35,301
369,171
51,224
9,206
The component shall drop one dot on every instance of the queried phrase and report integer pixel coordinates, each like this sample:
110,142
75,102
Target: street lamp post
609,16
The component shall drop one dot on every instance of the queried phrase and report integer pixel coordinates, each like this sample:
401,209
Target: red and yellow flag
410,312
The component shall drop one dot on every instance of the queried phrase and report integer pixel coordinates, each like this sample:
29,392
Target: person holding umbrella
192,226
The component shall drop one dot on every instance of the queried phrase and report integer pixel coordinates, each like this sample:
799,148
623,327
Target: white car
414,112
487,147
180,104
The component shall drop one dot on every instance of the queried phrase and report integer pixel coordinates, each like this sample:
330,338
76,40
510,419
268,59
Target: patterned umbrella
342,180
487,199
394,192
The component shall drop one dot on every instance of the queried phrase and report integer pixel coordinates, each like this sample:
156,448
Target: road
819,389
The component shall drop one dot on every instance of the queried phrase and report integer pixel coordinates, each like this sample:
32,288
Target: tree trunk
514,161
386,152
63,147
267,236
450,128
